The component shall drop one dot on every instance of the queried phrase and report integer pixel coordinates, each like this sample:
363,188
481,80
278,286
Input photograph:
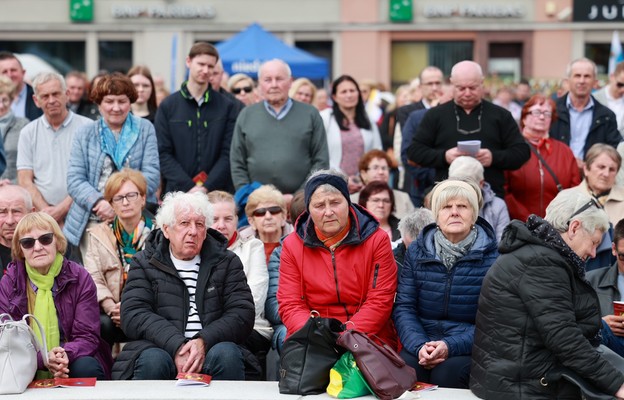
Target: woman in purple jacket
61,294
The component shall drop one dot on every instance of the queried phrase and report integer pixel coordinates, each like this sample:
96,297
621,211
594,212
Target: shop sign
173,11
474,11
598,10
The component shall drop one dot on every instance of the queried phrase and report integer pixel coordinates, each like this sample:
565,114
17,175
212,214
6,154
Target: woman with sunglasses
538,316
60,294
111,246
266,213
350,132
551,167
243,88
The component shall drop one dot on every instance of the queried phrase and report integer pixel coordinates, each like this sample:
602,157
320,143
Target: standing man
44,147
581,120
469,117
23,104
609,285
431,81
194,129
15,202
186,301
612,95
78,100
278,141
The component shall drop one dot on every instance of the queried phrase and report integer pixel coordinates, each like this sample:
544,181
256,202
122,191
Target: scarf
449,252
129,243
333,241
44,309
118,150
4,123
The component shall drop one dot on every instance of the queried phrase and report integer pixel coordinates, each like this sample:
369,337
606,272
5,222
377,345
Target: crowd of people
155,233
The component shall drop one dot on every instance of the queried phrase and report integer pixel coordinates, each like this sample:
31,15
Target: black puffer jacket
155,302
536,311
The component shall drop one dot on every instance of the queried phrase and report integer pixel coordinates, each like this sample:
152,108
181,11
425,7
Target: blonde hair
299,83
450,189
264,194
36,220
117,179
7,86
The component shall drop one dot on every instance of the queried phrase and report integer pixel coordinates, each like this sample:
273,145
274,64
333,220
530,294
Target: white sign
473,11
176,11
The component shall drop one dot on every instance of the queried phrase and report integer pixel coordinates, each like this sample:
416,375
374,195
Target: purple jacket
76,306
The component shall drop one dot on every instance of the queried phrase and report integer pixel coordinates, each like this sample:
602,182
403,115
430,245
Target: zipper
336,282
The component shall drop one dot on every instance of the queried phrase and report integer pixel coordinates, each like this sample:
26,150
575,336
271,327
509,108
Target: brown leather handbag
385,371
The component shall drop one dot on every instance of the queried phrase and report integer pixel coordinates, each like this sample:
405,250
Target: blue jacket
85,168
433,303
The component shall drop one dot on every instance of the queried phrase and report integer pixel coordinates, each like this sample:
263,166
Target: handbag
18,353
308,355
346,380
385,371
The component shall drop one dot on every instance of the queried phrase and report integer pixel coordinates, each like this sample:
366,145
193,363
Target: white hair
560,212
45,77
175,203
282,62
411,225
466,167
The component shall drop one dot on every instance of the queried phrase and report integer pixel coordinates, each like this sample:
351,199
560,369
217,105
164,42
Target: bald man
469,117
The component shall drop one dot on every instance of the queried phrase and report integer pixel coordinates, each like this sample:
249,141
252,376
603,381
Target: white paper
469,147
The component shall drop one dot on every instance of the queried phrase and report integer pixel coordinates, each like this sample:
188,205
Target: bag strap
42,348
385,349
545,164
4,317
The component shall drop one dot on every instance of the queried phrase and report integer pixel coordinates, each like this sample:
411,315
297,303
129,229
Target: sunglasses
29,243
261,212
246,89
620,85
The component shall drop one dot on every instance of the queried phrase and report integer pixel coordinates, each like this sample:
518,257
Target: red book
618,308
200,178
423,387
62,382
191,379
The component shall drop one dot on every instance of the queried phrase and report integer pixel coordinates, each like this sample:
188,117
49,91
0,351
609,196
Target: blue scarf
118,149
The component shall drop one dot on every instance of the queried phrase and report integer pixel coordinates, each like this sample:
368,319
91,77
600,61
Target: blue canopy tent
246,51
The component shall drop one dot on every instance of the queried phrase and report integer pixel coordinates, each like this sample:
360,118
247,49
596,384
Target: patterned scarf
333,241
129,243
449,252
44,309
118,150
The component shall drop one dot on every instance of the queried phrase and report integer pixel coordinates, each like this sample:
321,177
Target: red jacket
531,188
356,283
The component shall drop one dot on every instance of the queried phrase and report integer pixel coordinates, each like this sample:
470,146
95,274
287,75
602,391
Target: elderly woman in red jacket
532,187
337,262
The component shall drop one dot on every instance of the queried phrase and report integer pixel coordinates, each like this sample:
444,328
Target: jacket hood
363,225
486,238
516,235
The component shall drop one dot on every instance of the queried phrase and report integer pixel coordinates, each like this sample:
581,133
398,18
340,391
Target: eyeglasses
132,196
378,168
620,256
261,212
586,206
463,131
538,113
382,201
29,243
620,85
246,89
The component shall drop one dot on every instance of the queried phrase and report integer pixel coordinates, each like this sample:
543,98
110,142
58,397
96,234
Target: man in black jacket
581,120
24,104
186,301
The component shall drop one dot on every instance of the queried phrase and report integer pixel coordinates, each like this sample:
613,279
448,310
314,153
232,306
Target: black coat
31,112
155,301
536,311
603,128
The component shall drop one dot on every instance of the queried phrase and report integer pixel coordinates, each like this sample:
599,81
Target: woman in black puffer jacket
537,311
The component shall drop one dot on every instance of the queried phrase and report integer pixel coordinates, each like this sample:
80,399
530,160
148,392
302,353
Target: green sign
401,10
81,10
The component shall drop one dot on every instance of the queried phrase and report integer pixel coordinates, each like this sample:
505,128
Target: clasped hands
58,362
432,354
190,356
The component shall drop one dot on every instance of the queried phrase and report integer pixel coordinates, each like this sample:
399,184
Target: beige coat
102,262
614,205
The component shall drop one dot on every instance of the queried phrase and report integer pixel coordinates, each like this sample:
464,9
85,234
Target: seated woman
439,286
338,262
251,253
537,312
111,246
377,197
375,166
60,294
266,213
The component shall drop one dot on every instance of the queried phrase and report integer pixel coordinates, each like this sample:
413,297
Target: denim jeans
609,339
224,361
86,367
454,372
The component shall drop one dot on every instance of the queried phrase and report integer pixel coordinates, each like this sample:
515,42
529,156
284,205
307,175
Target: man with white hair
494,209
44,147
469,118
186,300
278,141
